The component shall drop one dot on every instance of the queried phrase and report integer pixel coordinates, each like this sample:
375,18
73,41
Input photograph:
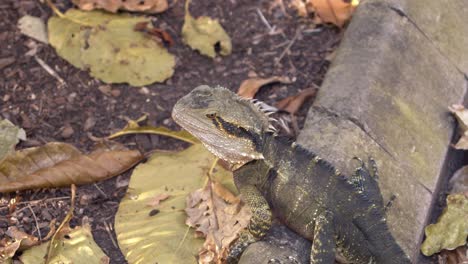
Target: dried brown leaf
148,6
250,87
219,216
337,12
26,240
60,164
456,256
156,200
292,104
461,114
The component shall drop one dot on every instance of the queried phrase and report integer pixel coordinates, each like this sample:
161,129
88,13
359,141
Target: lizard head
229,126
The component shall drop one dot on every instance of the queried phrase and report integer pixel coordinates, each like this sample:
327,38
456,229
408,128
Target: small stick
100,190
264,20
65,221
49,70
109,232
286,50
35,220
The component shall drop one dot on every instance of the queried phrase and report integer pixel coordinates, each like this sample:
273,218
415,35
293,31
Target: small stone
144,90
85,199
89,123
105,89
115,92
67,131
6,97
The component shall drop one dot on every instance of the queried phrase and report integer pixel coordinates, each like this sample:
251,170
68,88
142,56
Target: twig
109,232
37,201
49,70
35,220
100,190
286,50
264,20
65,221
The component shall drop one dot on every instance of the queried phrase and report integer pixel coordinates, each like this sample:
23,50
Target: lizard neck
275,148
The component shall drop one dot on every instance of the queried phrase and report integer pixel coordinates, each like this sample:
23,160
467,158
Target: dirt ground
85,108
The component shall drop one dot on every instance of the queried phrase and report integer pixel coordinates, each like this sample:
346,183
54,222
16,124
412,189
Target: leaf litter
217,215
110,47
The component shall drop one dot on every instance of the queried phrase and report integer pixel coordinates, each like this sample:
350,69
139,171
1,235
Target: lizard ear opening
211,115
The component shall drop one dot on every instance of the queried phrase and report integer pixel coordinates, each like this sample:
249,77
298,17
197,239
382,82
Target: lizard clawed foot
244,240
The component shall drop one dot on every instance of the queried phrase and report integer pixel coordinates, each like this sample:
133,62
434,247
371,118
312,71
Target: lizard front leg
323,244
247,178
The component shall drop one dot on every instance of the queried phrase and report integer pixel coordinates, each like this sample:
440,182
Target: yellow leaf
149,6
110,47
9,137
148,236
75,246
204,33
451,229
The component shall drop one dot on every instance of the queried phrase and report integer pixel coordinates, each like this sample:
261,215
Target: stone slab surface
386,95
401,63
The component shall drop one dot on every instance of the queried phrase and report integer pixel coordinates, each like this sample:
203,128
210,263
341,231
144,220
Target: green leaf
204,33
451,229
148,235
109,46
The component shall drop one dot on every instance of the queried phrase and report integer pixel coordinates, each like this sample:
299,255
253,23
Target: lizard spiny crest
229,126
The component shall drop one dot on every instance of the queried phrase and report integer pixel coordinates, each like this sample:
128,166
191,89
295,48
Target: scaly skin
278,177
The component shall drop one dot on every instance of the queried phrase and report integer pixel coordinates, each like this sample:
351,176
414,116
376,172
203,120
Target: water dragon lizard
277,177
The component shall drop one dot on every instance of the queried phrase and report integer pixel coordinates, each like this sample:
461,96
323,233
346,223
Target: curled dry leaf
148,6
461,114
204,33
154,202
218,215
250,87
292,104
456,256
60,164
17,241
451,229
337,12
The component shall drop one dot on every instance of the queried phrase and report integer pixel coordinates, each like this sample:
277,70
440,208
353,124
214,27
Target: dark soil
85,108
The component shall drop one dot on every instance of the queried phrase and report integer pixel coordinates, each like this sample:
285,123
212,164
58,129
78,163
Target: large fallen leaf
219,216
110,47
60,164
250,87
75,246
204,33
33,27
148,6
461,114
337,12
451,229
10,135
292,104
148,235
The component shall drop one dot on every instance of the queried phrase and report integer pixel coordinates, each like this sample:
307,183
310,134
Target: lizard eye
211,115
